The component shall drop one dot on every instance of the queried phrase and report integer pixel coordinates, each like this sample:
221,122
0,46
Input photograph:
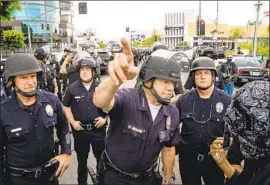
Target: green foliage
261,49
149,41
185,44
101,45
7,8
236,33
13,40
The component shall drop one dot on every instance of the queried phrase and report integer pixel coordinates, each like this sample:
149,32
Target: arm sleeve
62,127
68,98
119,101
176,134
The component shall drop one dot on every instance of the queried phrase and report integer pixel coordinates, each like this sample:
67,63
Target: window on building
42,26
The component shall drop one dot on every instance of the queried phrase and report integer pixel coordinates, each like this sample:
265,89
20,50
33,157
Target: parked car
249,69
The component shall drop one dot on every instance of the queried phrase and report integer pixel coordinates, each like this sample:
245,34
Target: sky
109,18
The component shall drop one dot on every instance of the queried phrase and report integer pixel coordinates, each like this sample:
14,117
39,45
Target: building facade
42,16
66,26
176,27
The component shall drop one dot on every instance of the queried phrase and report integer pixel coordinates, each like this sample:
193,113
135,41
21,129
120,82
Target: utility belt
46,171
195,156
144,175
91,127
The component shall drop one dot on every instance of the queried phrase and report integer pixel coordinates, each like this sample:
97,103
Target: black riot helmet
157,46
160,64
40,54
87,62
203,63
21,64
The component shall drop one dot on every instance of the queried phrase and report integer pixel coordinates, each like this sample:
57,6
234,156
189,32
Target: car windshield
247,62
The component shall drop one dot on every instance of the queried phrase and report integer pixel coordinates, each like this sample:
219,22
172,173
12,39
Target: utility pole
200,9
217,27
256,28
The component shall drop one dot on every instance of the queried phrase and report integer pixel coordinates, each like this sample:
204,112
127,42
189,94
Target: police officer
142,121
64,76
51,75
201,112
56,67
71,71
42,77
28,118
98,63
87,126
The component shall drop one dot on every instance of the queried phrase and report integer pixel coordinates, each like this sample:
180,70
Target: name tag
135,129
16,130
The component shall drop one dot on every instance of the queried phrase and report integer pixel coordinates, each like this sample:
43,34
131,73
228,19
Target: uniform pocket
134,139
18,132
50,122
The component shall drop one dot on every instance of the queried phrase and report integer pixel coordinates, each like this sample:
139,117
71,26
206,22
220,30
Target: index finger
126,46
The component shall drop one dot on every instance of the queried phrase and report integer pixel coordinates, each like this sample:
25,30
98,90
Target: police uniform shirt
73,74
202,120
134,140
80,100
28,131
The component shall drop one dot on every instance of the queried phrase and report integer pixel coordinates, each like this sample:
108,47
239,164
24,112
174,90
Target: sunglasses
229,57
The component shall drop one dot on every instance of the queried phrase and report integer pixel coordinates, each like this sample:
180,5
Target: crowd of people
132,130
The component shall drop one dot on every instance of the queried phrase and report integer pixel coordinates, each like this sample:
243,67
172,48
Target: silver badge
219,107
49,110
162,135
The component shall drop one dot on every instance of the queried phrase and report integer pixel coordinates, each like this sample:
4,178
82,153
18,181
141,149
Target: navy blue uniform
27,133
202,122
80,100
134,140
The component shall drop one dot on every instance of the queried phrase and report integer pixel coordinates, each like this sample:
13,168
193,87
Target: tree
101,45
13,40
156,36
236,33
7,8
261,49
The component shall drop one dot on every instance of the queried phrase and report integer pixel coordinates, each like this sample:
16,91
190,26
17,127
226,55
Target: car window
247,63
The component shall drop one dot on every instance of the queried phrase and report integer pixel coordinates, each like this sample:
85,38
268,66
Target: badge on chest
164,136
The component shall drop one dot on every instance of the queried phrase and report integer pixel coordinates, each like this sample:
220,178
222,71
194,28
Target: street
70,176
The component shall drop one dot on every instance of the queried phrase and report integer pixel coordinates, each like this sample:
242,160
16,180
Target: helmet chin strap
28,94
163,101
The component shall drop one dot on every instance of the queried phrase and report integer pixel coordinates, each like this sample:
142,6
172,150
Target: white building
176,27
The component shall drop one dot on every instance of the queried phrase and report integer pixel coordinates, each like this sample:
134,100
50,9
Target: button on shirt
27,132
80,100
134,140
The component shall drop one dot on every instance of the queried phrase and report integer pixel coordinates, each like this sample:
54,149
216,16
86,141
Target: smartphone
226,138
